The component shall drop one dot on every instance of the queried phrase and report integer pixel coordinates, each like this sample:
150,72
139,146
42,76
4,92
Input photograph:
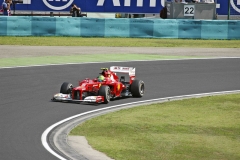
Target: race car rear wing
129,70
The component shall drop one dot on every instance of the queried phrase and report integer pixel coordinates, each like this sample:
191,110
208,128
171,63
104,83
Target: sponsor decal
67,4
117,68
26,1
118,87
121,68
235,6
127,3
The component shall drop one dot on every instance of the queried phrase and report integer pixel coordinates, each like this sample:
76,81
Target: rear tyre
137,88
66,88
105,92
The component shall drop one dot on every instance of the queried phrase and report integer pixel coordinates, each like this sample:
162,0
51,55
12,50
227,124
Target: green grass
194,129
122,42
28,61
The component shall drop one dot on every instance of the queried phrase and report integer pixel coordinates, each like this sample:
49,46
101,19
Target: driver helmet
107,74
101,78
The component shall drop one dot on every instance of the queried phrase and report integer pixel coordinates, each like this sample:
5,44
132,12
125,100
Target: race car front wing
59,97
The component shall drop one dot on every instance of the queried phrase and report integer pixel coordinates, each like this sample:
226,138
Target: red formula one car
100,90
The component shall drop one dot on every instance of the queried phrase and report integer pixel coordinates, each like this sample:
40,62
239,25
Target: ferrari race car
104,88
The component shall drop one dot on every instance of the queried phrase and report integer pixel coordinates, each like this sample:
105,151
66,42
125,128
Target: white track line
120,61
49,129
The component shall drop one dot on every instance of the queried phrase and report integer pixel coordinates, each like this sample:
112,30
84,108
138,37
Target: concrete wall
121,27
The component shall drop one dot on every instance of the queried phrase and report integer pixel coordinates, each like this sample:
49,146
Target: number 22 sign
189,10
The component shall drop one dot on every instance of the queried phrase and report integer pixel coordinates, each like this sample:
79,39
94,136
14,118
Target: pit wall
120,27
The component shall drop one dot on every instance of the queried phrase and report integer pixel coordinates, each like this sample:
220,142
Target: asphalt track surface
26,110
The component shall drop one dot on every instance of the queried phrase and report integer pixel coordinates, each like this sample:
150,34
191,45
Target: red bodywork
90,87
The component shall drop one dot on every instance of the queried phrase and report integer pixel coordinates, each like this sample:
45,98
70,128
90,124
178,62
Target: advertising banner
113,6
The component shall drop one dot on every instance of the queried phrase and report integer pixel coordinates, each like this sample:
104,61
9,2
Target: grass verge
117,42
28,61
204,128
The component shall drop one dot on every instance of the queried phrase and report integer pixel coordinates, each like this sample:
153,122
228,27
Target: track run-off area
26,109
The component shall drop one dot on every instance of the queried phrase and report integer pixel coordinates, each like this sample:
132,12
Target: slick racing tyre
105,92
66,88
137,88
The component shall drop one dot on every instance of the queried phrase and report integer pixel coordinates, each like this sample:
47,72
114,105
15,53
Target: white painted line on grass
49,129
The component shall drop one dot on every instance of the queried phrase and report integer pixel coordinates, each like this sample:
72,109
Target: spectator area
119,27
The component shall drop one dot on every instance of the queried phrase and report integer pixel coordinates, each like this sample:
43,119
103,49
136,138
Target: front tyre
66,88
105,92
137,88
